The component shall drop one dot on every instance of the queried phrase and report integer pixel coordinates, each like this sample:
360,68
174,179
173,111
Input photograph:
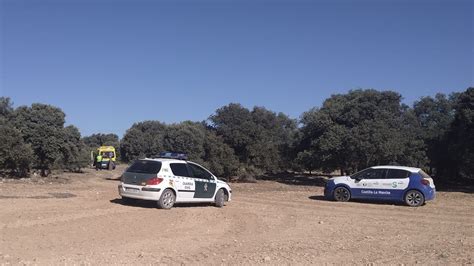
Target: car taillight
425,182
154,181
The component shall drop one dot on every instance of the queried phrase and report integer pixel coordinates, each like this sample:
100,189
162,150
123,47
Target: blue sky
108,64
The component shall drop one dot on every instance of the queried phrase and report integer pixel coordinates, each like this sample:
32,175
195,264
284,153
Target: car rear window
423,174
145,167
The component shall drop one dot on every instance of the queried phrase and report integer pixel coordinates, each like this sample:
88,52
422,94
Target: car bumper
104,164
328,190
430,194
230,195
139,192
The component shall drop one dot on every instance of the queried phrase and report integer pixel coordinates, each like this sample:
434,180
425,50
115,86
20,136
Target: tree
97,140
15,154
274,134
357,130
187,137
42,127
74,153
201,144
235,125
218,156
142,139
6,107
435,116
460,139
260,138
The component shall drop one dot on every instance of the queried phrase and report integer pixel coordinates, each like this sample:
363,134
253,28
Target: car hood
338,179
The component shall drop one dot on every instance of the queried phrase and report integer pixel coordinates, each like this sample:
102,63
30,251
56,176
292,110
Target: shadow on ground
298,180
464,186
113,179
149,204
57,195
361,201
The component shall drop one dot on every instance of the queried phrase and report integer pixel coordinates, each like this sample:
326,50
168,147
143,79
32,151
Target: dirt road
79,219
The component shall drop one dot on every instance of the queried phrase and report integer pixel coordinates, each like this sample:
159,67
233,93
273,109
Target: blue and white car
395,183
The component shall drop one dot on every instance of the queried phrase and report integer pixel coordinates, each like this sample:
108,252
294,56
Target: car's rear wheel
414,198
167,199
220,198
341,194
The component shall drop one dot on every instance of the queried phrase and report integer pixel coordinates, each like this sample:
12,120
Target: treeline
35,137
347,133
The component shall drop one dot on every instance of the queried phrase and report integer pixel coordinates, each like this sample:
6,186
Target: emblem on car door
205,187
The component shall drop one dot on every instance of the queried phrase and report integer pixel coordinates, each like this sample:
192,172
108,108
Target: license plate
131,190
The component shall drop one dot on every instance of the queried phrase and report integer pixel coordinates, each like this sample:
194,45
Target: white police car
171,179
396,183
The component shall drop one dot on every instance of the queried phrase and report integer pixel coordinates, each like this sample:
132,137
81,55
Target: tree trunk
44,172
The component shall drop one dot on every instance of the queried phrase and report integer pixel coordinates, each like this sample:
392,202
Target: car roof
164,160
169,160
406,168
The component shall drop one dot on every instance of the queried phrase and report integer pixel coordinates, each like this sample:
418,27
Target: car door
376,182
387,183
367,182
395,183
205,183
183,181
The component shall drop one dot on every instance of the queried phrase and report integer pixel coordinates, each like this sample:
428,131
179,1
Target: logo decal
205,187
394,184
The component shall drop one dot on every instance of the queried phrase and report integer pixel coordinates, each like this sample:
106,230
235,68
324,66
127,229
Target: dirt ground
79,219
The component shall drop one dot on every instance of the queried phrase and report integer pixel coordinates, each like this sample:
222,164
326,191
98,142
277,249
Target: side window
179,169
397,174
379,174
372,174
199,172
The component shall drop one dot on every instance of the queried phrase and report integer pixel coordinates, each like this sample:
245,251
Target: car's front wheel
414,198
341,194
220,198
167,199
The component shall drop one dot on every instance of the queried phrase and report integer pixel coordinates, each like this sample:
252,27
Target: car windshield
145,167
107,154
359,174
